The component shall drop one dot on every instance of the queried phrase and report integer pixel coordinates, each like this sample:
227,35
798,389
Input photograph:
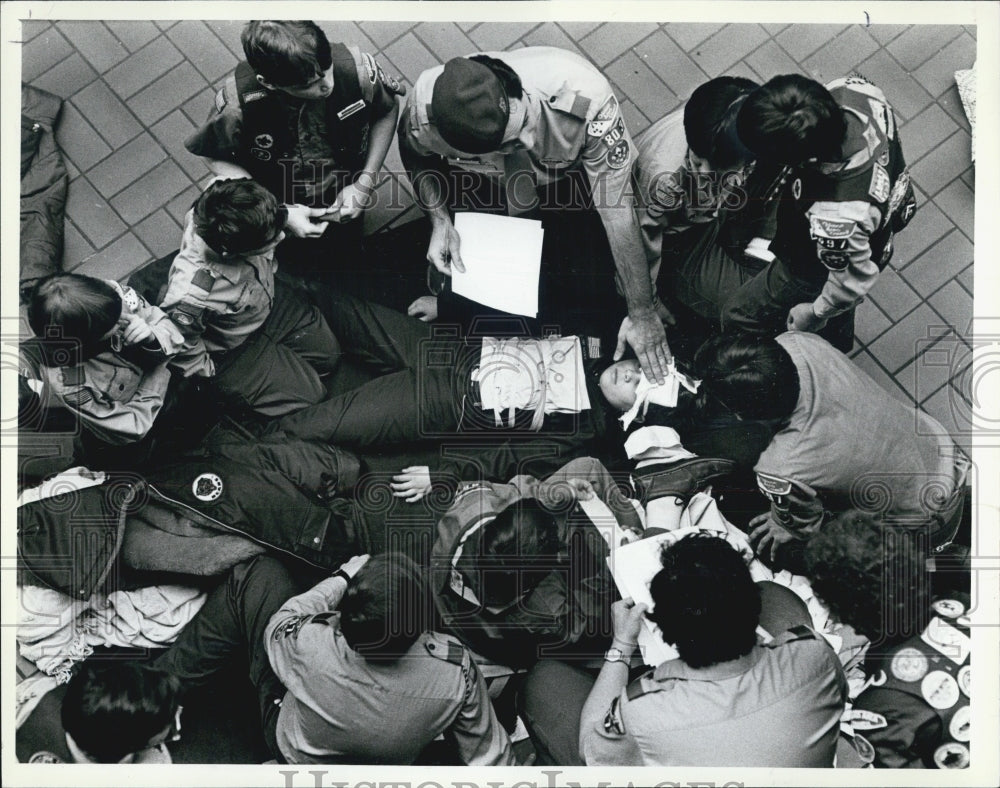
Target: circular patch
952,756
44,756
261,154
263,140
797,188
207,487
960,726
909,664
618,156
939,689
965,680
949,608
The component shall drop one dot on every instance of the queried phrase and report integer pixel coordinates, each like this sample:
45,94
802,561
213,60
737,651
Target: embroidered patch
883,117
619,155
220,100
960,726
831,228
44,756
203,280
909,664
613,724
263,141
864,720
598,128
182,318
871,138
952,756
883,157
261,154
609,111
797,188
832,243
390,82
254,95
207,487
615,134
939,689
289,628
773,484
371,68
351,109
880,185
899,191
835,261
77,398
949,608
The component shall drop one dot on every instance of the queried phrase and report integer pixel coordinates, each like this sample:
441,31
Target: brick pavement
135,89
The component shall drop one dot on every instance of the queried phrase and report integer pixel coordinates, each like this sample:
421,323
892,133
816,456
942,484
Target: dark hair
286,53
71,313
705,602
516,551
384,610
237,215
710,120
871,576
114,709
790,119
749,375
509,79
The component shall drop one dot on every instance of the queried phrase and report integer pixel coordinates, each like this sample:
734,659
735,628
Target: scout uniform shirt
849,443
573,119
325,140
215,301
116,394
779,705
672,196
341,708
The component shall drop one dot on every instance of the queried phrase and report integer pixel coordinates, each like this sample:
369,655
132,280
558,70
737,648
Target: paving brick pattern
135,89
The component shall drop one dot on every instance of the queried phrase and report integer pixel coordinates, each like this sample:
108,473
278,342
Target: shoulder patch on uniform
391,83
77,398
834,260
773,484
620,155
72,376
840,244
204,280
609,110
450,651
640,686
614,134
613,724
830,228
581,105
220,100
370,68
864,720
254,95
289,628
880,184
597,128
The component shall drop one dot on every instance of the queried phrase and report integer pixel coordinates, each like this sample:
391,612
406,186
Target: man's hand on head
643,332
306,222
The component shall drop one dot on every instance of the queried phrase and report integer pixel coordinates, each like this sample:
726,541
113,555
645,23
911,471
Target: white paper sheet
502,257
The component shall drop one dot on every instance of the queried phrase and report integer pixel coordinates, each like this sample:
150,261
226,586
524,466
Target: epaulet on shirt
446,650
203,280
73,376
323,618
643,686
793,634
570,102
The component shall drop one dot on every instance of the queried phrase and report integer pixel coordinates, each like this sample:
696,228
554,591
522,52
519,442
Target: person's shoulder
802,651
444,648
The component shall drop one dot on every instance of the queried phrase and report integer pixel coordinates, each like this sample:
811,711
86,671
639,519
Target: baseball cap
469,106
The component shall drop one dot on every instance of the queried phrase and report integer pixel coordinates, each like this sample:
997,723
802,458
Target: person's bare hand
306,222
134,329
801,317
444,250
643,331
424,308
626,617
411,484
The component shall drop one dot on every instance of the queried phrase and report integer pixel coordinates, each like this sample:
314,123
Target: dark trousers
232,622
556,691
277,369
417,394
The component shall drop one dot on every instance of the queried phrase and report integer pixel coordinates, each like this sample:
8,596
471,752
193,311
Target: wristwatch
616,655
342,574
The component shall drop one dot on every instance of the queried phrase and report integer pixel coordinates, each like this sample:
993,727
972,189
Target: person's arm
607,160
595,476
149,326
601,715
842,232
477,733
184,303
425,169
796,514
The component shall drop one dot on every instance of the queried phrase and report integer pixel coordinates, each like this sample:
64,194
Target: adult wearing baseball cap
548,113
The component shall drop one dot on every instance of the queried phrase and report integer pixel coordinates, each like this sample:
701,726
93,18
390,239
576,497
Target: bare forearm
379,140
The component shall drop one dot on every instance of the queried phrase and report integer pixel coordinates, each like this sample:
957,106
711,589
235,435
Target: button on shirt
774,707
216,302
341,708
573,119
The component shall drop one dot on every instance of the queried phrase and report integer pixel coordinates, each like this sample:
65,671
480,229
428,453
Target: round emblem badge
207,487
261,154
949,608
965,680
263,140
618,156
952,756
939,689
797,188
961,724
44,756
909,664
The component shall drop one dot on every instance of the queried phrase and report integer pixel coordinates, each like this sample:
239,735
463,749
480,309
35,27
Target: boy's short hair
384,610
286,53
871,576
749,375
791,119
114,709
704,601
516,551
71,313
710,120
237,215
